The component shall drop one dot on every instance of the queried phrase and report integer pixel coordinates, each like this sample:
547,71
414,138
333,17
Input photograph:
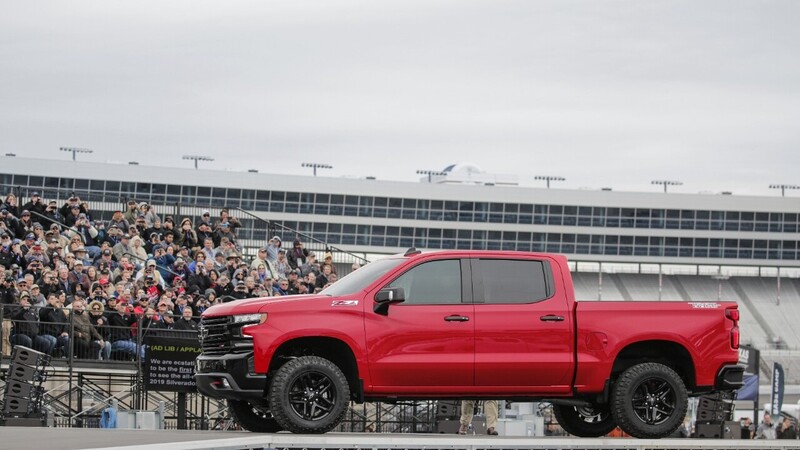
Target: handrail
271,225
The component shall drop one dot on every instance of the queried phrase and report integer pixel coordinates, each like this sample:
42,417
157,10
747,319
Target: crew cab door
424,344
523,327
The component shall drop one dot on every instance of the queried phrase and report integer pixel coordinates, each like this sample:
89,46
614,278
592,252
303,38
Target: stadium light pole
548,178
667,183
431,173
316,166
75,150
783,187
198,158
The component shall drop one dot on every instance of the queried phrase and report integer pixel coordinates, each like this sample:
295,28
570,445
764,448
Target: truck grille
218,336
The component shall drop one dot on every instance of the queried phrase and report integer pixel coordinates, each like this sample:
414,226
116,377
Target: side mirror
387,296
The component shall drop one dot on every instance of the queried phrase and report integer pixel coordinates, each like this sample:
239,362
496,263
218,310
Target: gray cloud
613,93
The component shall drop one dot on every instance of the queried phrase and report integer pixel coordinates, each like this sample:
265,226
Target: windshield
358,280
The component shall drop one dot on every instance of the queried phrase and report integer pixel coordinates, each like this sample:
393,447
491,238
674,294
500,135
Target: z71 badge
706,305
344,303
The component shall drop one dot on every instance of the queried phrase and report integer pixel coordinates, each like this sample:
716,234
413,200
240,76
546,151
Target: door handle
551,318
456,319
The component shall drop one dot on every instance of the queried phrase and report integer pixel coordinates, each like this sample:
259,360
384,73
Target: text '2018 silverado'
469,325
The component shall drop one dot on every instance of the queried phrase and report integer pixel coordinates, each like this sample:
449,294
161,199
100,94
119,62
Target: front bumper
229,377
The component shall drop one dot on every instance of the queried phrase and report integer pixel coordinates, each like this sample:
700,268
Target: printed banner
777,389
169,363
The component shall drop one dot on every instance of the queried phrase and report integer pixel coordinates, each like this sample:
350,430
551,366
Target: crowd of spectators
75,285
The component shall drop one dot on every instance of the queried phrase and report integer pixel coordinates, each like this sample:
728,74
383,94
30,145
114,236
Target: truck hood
255,305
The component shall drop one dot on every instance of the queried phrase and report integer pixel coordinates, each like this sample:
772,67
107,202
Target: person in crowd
311,265
468,410
55,324
282,266
132,213
150,216
281,287
310,281
121,321
10,204
99,321
786,429
298,255
36,204
273,246
187,236
224,232
25,329
747,428
52,215
71,215
37,299
186,321
138,250
157,228
766,430
118,220
329,261
25,222
323,278
87,342
88,233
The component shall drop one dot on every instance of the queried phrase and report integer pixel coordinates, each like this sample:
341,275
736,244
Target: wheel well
331,349
669,353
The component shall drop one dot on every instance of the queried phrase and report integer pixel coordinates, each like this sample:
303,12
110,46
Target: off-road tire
253,418
309,395
594,421
649,401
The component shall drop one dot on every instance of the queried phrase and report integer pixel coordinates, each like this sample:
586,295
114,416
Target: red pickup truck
466,325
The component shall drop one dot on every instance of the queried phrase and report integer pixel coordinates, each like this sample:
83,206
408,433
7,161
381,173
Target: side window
512,281
431,283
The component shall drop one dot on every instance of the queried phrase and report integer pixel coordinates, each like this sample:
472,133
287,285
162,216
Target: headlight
258,318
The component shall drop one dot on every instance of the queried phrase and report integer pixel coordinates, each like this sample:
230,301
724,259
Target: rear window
511,281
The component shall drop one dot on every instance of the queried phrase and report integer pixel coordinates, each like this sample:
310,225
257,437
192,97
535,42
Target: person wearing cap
10,223
88,233
35,204
37,253
106,260
113,235
71,214
25,221
273,246
297,255
78,279
149,214
150,272
51,214
131,213
25,327
282,267
123,247
10,251
224,232
311,265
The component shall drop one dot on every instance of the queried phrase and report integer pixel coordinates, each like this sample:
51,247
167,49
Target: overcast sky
604,93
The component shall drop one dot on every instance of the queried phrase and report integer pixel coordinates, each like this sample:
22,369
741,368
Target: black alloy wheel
309,394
